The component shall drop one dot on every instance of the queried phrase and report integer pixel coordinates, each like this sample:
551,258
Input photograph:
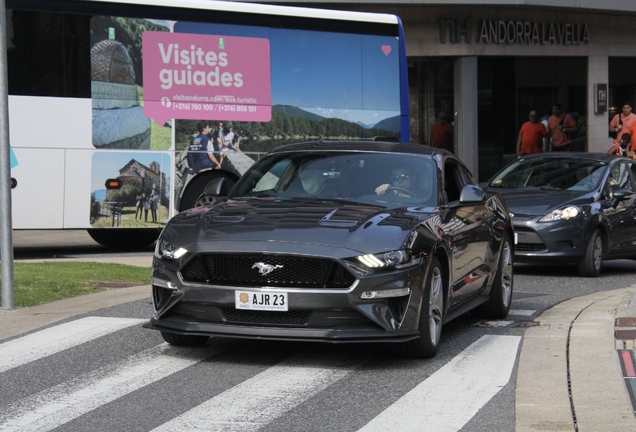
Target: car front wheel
431,316
501,291
590,265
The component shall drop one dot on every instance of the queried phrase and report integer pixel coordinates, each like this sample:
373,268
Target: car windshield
551,174
357,176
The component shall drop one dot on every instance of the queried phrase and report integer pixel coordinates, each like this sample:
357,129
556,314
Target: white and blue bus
122,112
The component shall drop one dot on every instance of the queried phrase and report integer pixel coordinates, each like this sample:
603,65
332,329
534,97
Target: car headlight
395,258
165,249
566,213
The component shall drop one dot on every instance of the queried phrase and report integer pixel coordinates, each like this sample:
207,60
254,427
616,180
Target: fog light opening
399,292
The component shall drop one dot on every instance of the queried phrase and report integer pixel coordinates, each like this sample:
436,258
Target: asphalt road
339,387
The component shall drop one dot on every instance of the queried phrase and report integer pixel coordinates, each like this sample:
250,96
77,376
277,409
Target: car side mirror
620,195
471,194
214,187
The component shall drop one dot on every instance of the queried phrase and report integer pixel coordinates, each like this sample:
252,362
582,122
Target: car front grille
528,240
529,247
296,318
245,270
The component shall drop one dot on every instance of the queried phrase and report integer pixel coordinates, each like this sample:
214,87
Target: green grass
160,137
43,282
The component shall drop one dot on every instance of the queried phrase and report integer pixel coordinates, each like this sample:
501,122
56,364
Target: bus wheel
194,196
124,238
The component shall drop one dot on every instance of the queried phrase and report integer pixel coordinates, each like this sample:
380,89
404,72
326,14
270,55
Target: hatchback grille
297,318
289,271
529,247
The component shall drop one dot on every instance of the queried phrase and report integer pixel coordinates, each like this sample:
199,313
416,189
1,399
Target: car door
620,219
467,230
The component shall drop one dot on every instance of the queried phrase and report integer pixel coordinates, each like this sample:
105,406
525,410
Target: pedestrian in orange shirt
531,135
623,123
442,133
560,125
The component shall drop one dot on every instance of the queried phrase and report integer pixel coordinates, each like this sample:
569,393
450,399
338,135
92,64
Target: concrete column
465,83
597,73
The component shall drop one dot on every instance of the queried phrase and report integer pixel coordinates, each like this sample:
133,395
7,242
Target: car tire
590,265
184,340
431,316
193,195
498,306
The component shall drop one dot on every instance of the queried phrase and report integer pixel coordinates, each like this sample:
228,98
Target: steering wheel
408,193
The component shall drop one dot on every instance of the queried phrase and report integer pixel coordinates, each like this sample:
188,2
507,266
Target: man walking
531,135
560,125
622,123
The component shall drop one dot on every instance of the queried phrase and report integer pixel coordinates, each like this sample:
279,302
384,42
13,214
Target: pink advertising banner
192,76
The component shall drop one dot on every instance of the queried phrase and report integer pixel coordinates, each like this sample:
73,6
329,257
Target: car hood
536,202
358,227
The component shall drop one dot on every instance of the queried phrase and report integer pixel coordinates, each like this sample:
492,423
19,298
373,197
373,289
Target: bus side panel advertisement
155,83
187,76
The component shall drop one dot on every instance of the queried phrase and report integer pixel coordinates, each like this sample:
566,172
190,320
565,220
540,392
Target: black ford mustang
336,242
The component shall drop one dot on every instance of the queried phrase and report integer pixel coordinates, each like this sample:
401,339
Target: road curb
573,347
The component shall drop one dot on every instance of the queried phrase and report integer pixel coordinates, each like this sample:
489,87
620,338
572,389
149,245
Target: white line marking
450,397
58,405
521,312
259,400
499,323
58,338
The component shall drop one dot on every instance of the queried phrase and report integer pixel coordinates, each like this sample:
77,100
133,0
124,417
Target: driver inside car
401,183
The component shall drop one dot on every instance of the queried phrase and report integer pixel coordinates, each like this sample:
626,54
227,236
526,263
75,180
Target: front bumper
549,242
329,315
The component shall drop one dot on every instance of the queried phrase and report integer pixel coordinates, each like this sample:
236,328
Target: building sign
600,98
512,32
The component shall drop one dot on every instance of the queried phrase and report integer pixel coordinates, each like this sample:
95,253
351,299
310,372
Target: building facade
484,65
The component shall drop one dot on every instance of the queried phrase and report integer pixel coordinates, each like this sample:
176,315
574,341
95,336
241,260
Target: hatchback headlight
561,214
165,249
395,258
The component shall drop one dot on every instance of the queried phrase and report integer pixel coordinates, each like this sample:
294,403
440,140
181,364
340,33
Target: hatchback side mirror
620,195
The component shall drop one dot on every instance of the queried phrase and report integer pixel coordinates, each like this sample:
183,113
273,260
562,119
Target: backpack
614,135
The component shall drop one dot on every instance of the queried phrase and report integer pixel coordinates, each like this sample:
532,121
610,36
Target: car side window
619,178
454,180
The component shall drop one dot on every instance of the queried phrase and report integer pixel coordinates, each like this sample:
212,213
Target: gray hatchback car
571,208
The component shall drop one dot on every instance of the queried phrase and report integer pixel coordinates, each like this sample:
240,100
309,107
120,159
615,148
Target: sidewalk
21,320
570,367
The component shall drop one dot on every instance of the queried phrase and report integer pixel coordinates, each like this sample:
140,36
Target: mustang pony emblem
265,269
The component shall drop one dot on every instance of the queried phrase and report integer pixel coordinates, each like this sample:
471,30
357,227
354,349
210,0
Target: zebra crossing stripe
52,340
259,400
449,398
58,405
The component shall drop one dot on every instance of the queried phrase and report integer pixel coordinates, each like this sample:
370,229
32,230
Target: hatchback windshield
368,177
551,173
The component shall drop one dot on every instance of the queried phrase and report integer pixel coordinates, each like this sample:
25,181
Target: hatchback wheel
590,265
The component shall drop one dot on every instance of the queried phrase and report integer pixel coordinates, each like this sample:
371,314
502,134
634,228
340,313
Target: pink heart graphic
386,49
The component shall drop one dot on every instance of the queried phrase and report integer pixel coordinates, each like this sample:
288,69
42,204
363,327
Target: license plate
258,300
